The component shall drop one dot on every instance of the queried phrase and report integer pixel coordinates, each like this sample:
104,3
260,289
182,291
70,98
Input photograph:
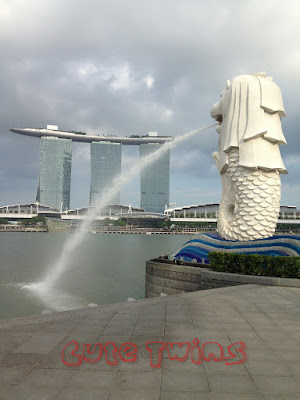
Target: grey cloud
189,48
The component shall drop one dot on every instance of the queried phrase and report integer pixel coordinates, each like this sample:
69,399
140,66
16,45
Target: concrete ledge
163,277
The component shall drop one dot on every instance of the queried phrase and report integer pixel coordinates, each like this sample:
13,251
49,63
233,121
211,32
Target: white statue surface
249,161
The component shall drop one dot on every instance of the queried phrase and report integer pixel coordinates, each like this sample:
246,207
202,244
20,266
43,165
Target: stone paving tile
182,367
281,397
98,366
132,310
118,330
254,344
21,360
15,338
138,380
40,343
227,312
180,329
134,395
12,375
80,337
177,338
51,378
4,353
180,317
144,323
148,330
142,364
235,396
236,336
211,334
179,324
157,309
6,348
294,368
206,321
287,356
231,384
5,388
202,309
60,327
124,319
29,328
168,395
10,341
93,379
235,325
220,368
259,355
54,358
152,317
92,321
54,361
284,344
192,381
88,328
76,393
24,391
277,385
272,336
266,368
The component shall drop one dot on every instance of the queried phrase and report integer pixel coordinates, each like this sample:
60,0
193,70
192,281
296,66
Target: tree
35,220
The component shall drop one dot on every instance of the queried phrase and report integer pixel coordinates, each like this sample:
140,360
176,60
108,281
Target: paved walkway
265,318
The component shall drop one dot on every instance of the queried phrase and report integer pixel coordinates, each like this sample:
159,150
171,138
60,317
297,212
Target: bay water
106,268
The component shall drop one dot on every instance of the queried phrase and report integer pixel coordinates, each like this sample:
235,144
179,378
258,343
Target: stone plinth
171,278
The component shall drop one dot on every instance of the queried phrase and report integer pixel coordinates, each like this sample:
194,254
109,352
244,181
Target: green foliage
165,224
255,264
112,222
34,220
197,224
3,221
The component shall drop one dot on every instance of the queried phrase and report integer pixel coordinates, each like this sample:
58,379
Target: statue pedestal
196,250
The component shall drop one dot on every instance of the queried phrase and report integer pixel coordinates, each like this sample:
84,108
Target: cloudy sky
129,67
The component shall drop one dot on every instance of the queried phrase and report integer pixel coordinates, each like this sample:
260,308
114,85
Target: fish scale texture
250,210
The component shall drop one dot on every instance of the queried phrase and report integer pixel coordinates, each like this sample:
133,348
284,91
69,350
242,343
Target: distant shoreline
100,232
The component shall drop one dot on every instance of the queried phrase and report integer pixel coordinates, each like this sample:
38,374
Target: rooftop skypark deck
80,137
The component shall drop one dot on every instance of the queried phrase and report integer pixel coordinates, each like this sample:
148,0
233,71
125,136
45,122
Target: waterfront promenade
265,318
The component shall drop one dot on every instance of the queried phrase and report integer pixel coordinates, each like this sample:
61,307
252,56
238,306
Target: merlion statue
249,161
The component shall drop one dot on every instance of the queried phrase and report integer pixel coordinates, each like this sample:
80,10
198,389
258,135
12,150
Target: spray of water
65,260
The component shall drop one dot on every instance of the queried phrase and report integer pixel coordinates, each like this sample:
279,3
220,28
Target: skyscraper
105,166
155,180
55,173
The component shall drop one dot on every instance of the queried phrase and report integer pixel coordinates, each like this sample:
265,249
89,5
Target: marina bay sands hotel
106,151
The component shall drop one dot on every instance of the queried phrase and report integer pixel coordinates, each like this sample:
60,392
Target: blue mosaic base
196,250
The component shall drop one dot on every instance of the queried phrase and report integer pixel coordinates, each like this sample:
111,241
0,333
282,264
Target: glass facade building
55,173
105,166
155,180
